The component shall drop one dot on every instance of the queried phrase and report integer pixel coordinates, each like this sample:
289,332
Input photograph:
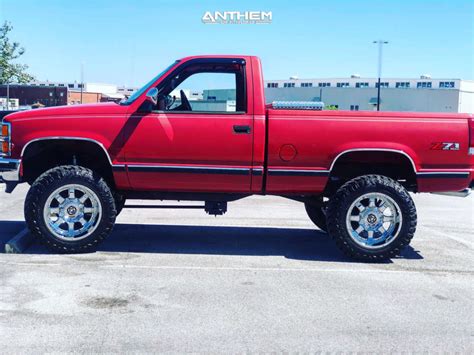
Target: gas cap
288,152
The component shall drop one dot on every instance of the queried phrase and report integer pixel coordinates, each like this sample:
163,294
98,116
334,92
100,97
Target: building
71,86
29,95
61,93
424,94
219,99
75,97
91,92
356,93
13,104
90,87
126,91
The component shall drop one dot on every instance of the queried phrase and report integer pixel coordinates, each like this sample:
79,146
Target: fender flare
398,151
67,138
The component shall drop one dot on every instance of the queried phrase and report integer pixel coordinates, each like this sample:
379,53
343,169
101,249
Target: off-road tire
120,200
347,194
53,179
316,215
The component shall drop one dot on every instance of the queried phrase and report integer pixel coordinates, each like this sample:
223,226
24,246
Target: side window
207,92
218,87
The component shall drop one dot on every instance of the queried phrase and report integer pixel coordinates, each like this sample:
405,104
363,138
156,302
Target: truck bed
304,146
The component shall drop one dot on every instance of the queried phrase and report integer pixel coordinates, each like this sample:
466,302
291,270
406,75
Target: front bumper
9,170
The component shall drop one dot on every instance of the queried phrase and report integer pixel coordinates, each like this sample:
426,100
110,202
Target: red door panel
189,152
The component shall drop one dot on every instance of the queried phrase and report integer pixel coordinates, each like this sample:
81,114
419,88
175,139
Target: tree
9,51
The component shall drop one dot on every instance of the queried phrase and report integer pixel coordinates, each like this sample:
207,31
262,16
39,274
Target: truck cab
196,145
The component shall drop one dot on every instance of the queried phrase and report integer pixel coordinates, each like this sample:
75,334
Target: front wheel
372,218
120,200
70,209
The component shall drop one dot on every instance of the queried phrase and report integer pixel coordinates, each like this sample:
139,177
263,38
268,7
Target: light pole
8,95
82,79
380,43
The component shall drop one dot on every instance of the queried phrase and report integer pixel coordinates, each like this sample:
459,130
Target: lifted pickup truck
352,170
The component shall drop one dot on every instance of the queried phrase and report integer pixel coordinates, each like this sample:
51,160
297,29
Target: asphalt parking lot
260,278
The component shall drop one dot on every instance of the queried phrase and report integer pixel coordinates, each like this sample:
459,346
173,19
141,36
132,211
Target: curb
19,243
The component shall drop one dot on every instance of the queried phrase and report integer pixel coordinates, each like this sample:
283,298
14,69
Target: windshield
140,91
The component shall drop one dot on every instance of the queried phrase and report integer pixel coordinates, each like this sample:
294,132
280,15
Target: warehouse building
355,93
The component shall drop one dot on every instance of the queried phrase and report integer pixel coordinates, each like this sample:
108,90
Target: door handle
241,129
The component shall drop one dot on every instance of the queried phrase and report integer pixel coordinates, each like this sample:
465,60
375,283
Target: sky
128,42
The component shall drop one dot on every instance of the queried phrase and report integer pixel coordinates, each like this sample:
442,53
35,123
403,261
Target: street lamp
82,79
380,43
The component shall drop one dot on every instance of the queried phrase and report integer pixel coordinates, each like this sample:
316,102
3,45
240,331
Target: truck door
198,137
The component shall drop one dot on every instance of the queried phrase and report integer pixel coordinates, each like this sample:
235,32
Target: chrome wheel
374,220
72,212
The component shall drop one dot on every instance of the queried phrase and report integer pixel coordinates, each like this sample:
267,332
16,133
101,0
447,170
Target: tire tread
336,217
33,208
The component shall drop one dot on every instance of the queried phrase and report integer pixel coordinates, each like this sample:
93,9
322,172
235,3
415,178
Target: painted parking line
450,236
453,272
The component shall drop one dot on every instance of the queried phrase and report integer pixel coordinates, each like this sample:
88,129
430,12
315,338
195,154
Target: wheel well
43,155
392,164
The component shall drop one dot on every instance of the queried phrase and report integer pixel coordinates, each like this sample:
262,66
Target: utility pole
82,79
8,91
8,95
380,43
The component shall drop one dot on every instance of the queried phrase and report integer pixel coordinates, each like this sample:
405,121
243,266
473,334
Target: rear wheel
316,213
372,218
70,209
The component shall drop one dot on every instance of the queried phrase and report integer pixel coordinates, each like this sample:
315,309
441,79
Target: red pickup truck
352,170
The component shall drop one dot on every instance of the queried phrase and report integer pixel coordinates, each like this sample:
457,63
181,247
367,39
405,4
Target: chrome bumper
9,170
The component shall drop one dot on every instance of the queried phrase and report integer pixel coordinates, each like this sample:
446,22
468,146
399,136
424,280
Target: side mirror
152,96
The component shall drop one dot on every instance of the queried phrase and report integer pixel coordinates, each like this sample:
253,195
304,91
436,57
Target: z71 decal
444,146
